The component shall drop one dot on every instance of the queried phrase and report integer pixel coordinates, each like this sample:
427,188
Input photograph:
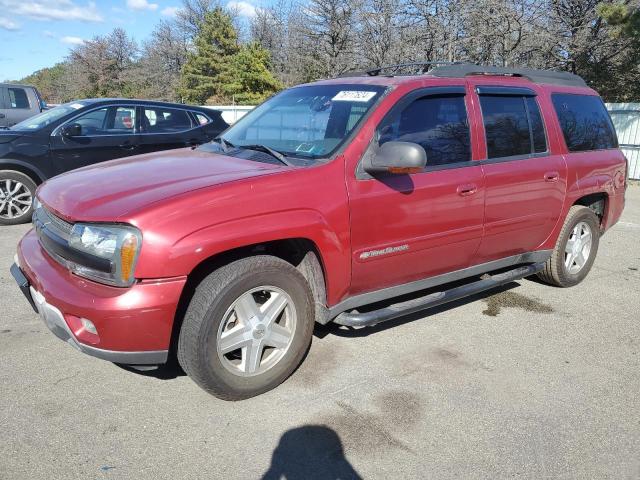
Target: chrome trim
398,290
54,320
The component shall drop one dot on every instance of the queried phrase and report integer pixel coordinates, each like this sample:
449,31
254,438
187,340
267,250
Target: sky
38,34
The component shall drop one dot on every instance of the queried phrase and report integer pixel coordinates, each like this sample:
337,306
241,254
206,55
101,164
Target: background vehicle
84,132
354,200
19,102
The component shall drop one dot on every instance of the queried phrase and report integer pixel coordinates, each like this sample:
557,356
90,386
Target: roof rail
413,68
536,76
463,69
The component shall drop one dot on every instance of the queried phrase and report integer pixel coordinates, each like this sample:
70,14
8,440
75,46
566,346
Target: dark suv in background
84,132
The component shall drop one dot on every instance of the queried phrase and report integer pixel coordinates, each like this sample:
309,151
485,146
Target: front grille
52,222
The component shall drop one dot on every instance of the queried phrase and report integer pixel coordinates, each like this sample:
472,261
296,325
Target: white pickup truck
19,102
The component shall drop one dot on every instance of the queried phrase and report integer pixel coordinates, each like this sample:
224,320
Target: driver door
412,226
106,133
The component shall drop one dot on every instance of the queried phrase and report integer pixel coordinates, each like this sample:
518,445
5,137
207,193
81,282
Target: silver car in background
18,102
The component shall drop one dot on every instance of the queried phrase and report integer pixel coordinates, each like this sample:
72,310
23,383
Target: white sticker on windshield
76,106
353,96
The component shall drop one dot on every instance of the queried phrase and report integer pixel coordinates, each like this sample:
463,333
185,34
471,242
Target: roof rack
463,69
536,76
413,68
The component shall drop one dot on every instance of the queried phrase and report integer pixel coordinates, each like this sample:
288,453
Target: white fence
231,113
626,119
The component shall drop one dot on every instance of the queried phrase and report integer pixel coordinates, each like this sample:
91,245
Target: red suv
325,204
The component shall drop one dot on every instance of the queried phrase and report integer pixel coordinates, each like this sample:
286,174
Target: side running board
366,319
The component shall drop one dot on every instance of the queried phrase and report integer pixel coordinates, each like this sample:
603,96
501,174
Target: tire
556,271
217,319
17,191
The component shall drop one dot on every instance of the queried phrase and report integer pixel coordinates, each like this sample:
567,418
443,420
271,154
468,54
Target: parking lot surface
530,382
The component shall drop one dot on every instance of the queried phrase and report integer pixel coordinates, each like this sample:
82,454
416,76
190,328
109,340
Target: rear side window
18,98
513,125
436,123
166,120
585,123
201,118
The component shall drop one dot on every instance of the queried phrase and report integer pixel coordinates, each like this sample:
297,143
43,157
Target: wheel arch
23,167
302,253
598,202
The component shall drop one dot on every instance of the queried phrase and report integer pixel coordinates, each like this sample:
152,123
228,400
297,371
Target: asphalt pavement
529,382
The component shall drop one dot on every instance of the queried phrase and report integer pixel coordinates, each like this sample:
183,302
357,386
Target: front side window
585,123
18,98
436,123
107,121
310,122
165,120
513,125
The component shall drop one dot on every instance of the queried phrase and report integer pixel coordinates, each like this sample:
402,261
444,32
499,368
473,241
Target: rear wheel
247,327
575,250
16,197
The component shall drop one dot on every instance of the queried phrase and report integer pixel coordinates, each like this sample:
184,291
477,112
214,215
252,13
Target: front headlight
118,244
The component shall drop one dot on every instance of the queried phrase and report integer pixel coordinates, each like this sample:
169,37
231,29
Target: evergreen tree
205,69
249,81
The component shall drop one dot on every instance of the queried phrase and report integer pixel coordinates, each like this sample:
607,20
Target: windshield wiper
224,143
274,153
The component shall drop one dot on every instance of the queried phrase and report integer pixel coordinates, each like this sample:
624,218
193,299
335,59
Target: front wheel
575,250
16,197
247,327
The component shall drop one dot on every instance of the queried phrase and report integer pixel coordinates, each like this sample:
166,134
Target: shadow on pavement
310,451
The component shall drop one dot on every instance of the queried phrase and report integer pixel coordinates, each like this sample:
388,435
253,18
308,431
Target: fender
35,173
190,251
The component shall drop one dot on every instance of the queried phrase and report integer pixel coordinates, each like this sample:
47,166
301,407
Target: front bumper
134,325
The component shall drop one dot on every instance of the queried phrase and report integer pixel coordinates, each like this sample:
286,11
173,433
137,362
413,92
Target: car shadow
310,451
322,331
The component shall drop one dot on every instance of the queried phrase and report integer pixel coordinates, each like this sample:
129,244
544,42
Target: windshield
309,122
45,118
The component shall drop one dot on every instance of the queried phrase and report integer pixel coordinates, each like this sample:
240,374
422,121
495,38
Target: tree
206,68
160,65
249,80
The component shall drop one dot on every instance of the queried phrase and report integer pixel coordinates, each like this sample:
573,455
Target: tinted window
437,123
585,122
108,121
93,123
201,118
165,120
18,98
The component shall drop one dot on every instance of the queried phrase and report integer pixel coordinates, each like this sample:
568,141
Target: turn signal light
127,257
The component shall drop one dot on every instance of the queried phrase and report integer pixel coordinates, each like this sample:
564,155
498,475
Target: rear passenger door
525,180
164,128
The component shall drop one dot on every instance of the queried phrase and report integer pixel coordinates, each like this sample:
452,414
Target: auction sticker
353,96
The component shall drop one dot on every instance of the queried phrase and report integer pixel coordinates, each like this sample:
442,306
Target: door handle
551,176
2,115
467,189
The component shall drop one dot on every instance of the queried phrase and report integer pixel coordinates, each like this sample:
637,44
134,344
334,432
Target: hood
107,191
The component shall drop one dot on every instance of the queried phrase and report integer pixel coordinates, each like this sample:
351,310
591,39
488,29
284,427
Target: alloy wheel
257,331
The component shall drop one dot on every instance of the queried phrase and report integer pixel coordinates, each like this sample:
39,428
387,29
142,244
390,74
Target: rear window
513,125
165,120
585,123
